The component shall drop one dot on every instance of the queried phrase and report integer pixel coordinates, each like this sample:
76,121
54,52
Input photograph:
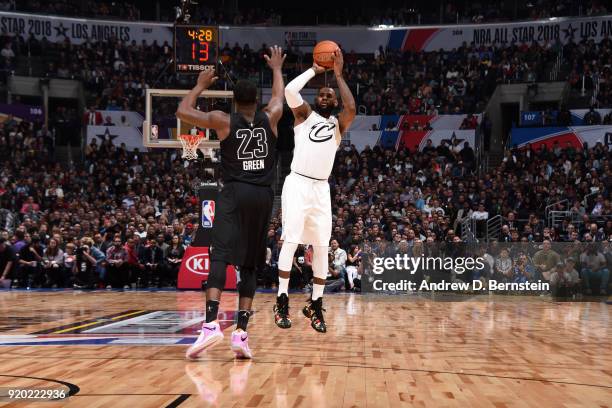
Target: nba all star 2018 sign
552,30
426,38
359,39
80,30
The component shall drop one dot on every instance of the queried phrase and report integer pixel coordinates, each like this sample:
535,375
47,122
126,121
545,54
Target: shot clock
196,48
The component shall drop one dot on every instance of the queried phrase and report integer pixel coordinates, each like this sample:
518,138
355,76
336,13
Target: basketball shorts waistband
308,177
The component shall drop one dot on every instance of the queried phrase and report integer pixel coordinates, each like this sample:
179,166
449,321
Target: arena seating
379,194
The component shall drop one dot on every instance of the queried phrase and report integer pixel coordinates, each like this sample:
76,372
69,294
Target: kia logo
198,264
321,132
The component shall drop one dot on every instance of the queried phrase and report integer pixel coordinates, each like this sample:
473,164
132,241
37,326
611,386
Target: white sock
283,286
317,291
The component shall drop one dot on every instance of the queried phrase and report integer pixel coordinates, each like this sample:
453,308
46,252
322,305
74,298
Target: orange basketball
322,53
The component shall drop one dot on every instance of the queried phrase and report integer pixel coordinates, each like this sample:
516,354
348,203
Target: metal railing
493,228
585,199
468,226
549,208
595,92
556,68
556,217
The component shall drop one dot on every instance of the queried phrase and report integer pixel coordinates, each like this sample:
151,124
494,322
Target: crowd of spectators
590,66
387,198
124,10
120,219
461,80
133,212
123,217
443,82
273,14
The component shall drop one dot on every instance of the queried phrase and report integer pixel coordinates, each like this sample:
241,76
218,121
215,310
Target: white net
190,145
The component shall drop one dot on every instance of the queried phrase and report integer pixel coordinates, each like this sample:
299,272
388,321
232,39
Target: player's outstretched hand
318,69
207,78
338,59
276,58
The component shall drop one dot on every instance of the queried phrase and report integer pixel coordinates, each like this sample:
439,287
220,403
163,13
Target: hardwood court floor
126,349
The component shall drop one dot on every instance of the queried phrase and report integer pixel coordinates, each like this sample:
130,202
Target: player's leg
223,239
314,310
211,332
318,230
281,308
246,292
294,207
254,211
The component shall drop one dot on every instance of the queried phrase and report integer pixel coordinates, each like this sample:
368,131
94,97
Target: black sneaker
281,312
314,311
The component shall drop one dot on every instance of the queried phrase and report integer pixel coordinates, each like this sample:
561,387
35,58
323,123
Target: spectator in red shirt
92,117
29,206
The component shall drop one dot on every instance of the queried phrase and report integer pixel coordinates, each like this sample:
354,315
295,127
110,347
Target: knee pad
285,258
216,277
248,283
319,262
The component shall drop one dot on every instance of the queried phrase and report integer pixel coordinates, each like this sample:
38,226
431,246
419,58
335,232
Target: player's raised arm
349,110
301,110
275,105
187,112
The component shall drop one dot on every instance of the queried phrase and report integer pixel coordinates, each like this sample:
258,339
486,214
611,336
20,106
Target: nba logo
208,213
154,132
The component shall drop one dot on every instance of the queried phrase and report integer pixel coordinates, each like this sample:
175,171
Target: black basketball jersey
248,154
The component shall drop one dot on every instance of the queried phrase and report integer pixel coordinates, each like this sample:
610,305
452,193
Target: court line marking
96,322
73,389
333,365
100,319
178,401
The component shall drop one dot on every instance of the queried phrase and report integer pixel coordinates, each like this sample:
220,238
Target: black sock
212,309
243,319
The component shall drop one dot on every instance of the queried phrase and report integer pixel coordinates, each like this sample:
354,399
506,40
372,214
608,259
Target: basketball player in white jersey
306,201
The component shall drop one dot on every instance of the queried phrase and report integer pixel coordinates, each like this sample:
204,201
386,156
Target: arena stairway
494,159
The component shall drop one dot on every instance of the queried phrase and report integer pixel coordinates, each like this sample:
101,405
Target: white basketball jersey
316,142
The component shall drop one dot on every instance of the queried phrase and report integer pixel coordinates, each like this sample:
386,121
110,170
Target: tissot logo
198,264
321,132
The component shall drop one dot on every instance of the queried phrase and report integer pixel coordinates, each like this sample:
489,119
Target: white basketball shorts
306,206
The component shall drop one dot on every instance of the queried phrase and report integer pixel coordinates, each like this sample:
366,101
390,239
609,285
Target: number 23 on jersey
253,148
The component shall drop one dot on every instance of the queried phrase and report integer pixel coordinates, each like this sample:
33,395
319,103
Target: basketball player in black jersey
244,206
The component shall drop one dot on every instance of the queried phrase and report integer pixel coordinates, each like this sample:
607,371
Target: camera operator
84,267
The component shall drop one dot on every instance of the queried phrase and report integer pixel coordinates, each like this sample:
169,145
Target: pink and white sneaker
240,344
210,335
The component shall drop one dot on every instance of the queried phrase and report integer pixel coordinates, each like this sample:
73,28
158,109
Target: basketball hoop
190,145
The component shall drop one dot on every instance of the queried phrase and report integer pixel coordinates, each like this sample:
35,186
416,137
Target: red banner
195,268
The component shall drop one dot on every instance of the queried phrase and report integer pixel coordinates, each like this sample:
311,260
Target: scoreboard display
196,48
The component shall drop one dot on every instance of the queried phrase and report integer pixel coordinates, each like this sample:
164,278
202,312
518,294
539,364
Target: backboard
161,128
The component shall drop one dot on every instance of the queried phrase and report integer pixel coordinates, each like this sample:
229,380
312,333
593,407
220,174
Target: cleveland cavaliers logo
321,132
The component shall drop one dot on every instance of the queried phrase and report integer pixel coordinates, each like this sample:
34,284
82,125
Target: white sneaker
210,335
240,344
